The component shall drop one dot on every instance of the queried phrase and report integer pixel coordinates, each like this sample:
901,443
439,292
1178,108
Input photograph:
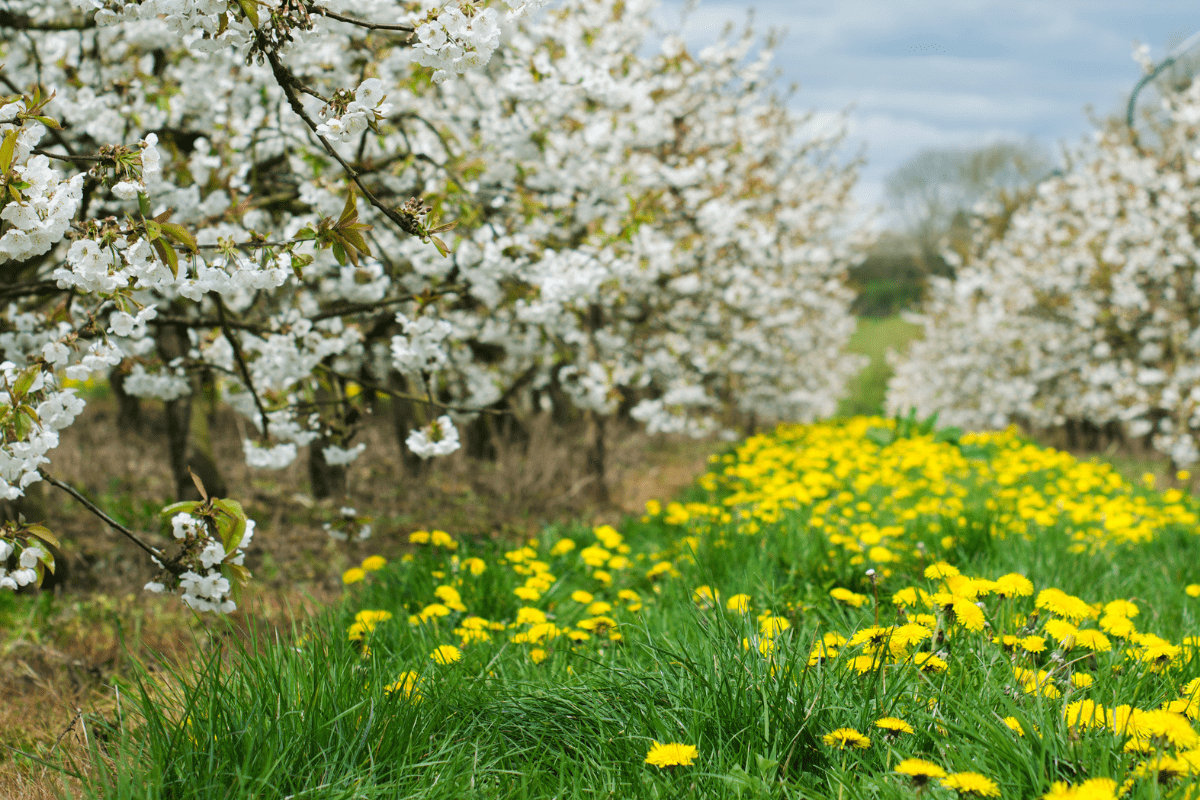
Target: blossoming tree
275,202
1082,304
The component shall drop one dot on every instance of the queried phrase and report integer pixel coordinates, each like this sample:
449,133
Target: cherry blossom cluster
199,573
1083,305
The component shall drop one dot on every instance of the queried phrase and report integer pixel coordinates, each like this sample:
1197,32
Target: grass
873,338
742,623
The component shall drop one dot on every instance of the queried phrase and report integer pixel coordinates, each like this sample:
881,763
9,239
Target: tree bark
404,418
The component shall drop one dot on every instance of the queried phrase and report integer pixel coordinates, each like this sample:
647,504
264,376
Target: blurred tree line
931,198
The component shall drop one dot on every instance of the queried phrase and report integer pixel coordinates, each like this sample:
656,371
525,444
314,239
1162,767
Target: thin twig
289,84
30,288
371,26
37,151
241,362
169,564
413,397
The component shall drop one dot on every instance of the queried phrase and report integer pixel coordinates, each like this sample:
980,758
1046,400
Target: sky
942,73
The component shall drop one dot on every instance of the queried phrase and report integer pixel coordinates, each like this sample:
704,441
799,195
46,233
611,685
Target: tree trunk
404,417
129,407
188,437
325,479
596,456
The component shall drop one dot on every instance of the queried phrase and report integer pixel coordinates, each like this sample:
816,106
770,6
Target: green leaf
231,523
250,9
299,262
180,234
305,234
440,245
43,533
880,436
950,434
24,424
144,204
168,255
7,149
49,122
339,253
355,240
184,507
24,382
349,211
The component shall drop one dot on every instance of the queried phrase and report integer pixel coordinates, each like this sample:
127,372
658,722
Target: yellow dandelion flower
940,570
1013,585
373,563
893,726
353,575
1193,590
919,771
446,654
739,603
928,662
848,597
1014,725
1062,604
405,686
1093,640
971,784
537,655
843,738
476,566
672,754
562,547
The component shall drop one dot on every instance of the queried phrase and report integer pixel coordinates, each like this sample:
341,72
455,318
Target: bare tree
934,191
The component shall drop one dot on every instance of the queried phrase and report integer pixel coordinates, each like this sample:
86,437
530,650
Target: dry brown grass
58,661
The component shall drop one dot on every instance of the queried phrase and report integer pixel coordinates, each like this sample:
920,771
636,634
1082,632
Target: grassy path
845,610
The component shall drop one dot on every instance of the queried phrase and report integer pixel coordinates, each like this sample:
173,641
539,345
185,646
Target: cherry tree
275,203
1080,304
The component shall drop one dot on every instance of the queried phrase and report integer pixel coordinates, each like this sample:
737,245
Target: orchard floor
59,651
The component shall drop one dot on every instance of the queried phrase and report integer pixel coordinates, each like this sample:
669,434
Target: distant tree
934,192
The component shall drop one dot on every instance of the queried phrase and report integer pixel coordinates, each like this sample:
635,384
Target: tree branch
371,26
169,564
241,362
414,398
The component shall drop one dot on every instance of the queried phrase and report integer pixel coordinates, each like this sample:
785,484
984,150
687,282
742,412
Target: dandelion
848,597
446,654
1091,789
928,662
582,597
374,563
405,686
672,754
919,771
1193,590
1062,604
1013,585
843,738
1093,640
1014,725
940,570
893,726
562,547
739,604
353,575
971,784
